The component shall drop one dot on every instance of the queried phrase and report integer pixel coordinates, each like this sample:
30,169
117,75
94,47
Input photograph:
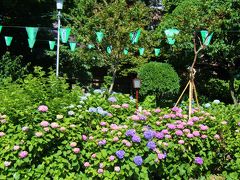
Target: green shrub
158,79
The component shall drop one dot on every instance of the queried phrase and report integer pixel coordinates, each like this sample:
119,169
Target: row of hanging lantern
134,37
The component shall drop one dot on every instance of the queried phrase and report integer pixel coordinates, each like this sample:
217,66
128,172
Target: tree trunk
113,80
232,90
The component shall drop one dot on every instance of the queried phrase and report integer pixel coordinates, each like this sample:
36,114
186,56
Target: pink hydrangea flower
204,136
161,156
128,144
25,128
171,126
55,125
172,115
91,137
190,135
103,123
46,129
168,136
101,165
125,105
179,115
16,147
76,150
94,155
43,108
181,142
117,168
111,158
100,171
2,134
73,144
179,133
135,117
86,164
196,133
38,134
216,136
23,154
114,127
84,137
186,131
109,115
44,123
165,131
203,127
104,129
62,129
158,123
190,123
180,126
115,139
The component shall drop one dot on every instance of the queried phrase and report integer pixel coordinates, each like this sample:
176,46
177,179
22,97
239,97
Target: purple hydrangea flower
112,99
136,139
171,126
130,132
149,134
120,154
151,145
159,135
138,160
198,160
102,142
142,117
179,133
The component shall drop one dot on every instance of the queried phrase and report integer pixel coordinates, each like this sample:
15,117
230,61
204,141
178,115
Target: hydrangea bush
101,136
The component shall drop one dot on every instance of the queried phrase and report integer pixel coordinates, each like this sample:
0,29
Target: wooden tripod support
192,91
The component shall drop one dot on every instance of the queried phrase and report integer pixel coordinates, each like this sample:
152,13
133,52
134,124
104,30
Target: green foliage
76,136
10,67
158,79
219,89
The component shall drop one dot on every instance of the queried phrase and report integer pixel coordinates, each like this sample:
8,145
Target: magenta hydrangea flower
198,160
138,160
180,126
42,108
203,127
181,142
196,133
23,154
84,137
171,126
120,154
179,133
190,135
159,135
190,123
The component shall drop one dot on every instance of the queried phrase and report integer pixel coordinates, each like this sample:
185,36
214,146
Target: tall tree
220,17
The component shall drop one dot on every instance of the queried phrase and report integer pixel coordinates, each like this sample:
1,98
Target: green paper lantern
141,51
65,33
99,36
109,49
170,33
134,36
51,44
206,38
32,32
125,51
31,43
157,51
8,40
73,46
0,29
90,46
170,41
